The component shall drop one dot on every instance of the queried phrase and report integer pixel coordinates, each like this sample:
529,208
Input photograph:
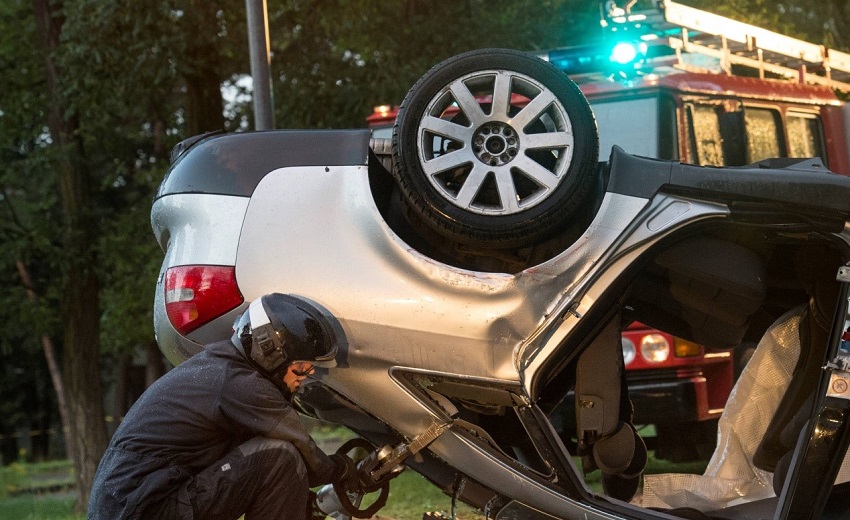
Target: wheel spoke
507,190
501,95
447,162
533,110
471,186
467,103
537,172
547,140
446,128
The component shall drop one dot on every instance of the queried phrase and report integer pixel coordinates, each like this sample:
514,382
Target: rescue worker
217,437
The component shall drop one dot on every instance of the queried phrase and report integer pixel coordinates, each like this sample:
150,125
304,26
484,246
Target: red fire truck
674,82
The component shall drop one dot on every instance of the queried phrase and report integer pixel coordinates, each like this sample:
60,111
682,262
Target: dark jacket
189,419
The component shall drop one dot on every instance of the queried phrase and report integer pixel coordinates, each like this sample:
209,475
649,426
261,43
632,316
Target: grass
40,507
38,491
42,491
39,478
410,496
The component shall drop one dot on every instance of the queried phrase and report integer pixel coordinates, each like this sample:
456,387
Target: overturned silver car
481,266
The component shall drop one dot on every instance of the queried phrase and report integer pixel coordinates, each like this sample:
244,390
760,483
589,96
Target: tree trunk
82,376
204,104
52,365
203,89
80,297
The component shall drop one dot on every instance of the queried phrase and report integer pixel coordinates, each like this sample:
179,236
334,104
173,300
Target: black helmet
279,329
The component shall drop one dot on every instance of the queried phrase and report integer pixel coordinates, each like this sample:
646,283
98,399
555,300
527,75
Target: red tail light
197,294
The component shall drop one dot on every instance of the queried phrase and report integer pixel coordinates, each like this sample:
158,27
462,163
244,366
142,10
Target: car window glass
804,136
762,126
705,145
631,124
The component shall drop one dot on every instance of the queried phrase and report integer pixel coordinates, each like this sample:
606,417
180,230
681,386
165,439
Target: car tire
495,148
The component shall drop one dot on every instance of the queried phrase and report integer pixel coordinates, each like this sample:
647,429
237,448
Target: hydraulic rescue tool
375,472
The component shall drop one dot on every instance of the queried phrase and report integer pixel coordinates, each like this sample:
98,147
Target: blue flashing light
625,56
624,53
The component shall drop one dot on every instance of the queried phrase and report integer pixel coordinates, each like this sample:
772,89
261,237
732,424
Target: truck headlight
654,348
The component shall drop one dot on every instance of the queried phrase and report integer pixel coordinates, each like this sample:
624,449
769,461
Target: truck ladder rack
688,30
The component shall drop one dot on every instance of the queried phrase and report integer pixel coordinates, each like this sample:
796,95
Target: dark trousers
261,479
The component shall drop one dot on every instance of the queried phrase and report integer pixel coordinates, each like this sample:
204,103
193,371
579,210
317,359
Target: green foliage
131,259
333,61
826,22
28,201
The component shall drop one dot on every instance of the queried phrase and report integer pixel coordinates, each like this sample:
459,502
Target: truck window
631,124
705,143
804,135
763,134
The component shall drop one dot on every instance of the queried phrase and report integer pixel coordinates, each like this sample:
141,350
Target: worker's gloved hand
346,474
